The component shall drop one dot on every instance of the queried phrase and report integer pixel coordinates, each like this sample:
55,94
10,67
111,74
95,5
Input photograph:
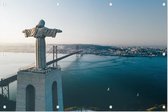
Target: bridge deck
5,82
58,59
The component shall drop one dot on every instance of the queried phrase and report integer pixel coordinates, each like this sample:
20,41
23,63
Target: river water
97,82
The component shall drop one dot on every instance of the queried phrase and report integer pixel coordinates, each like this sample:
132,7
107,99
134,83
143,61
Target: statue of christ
40,32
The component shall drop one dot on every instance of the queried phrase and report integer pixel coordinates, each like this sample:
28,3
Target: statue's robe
40,34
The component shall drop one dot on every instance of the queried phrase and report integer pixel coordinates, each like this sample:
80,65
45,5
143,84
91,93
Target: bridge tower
39,88
5,89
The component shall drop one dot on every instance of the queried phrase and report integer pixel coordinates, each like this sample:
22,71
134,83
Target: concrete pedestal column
42,84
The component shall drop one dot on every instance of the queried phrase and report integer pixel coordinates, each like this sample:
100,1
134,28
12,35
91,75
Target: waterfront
90,81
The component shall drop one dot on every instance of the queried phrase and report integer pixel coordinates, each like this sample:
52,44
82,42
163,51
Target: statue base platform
36,90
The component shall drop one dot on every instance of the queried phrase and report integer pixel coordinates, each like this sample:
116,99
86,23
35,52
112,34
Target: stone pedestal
43,89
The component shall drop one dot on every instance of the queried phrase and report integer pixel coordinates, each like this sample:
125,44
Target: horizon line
115,45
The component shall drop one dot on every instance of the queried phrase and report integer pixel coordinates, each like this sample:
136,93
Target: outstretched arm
23,31
29,32
51,32
59,31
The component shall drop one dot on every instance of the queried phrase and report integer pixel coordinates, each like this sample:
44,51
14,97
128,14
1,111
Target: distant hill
90,49
29,48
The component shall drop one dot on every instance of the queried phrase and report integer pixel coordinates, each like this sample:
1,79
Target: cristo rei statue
40,32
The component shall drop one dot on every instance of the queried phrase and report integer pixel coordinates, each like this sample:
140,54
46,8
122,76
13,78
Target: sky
103,22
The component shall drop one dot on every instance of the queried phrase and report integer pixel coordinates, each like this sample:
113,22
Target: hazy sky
126,22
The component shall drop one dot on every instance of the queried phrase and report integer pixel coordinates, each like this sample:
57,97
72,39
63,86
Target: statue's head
41,23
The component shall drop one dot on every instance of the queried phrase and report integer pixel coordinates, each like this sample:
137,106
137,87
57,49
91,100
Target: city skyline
106,22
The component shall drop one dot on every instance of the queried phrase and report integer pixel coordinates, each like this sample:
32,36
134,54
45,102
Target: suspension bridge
4,82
